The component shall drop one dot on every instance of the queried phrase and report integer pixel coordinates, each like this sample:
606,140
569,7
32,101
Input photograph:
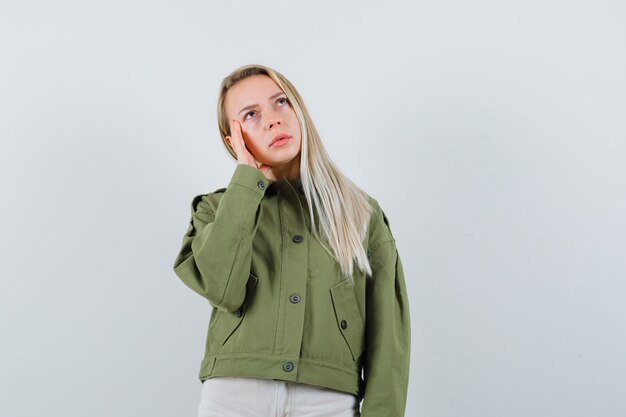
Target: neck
291,170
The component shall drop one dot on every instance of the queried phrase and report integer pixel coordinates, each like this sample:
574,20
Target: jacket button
344,324
294,298
298,238
238,312
261,184
287,366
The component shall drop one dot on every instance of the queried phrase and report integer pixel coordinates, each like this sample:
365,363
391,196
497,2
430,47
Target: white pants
255,397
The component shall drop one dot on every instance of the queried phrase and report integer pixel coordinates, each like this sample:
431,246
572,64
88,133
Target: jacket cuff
251,178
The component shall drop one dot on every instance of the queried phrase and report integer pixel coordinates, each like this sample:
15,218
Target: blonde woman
310,315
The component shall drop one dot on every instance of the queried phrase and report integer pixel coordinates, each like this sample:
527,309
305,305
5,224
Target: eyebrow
254,105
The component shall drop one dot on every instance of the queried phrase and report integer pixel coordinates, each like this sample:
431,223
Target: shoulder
207,202
379,228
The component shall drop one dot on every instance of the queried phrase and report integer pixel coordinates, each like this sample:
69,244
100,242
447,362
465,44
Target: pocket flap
349,320
229,321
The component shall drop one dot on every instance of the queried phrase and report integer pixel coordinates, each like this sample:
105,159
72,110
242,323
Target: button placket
294,271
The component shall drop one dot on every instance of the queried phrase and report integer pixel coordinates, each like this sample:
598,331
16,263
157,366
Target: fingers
267,171
243,153
236,138
241,149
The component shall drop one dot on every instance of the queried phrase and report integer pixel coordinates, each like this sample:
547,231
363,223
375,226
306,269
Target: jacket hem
304,371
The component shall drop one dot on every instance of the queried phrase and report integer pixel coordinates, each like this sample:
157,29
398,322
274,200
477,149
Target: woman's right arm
216,252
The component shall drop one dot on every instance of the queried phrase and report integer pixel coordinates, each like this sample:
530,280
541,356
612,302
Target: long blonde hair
342,208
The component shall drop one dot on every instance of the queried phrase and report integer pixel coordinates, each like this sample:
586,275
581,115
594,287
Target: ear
229,141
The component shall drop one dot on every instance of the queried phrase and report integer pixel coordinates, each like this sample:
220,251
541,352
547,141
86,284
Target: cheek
251,137
293,120
249,129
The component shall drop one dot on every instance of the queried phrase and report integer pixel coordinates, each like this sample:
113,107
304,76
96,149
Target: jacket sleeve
216,253
387,335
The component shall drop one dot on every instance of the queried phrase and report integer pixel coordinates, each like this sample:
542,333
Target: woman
310,313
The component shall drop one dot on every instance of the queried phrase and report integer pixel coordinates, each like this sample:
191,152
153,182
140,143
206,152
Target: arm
216,252
387,335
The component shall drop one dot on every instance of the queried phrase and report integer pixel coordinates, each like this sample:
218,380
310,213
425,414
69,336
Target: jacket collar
284,183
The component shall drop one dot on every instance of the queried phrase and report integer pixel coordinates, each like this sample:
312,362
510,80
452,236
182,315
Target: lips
279,137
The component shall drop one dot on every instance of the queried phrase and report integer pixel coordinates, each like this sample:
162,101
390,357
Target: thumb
265,169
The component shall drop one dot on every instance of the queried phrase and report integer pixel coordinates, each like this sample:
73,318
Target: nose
273,120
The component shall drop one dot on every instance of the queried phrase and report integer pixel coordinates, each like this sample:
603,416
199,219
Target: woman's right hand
243,154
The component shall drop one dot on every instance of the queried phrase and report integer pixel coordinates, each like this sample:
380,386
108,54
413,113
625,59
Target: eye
245,117
283,98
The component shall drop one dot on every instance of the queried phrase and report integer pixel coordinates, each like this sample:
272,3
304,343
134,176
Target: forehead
255,89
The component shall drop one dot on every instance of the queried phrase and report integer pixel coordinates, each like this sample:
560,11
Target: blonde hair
342,208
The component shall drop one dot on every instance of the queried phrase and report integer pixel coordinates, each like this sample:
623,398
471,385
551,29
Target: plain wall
492,134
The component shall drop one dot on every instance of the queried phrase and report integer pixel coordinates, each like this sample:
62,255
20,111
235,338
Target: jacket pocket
348,317
226,323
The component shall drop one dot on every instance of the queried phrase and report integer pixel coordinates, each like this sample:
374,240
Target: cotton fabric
280,306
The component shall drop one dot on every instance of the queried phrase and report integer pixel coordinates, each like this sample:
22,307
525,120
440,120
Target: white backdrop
492,133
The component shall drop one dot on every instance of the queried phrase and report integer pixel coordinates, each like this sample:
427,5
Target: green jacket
281,308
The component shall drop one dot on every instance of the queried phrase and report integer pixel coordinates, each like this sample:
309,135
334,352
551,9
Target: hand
243,154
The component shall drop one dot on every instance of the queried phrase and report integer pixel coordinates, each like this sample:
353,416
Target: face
263,111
